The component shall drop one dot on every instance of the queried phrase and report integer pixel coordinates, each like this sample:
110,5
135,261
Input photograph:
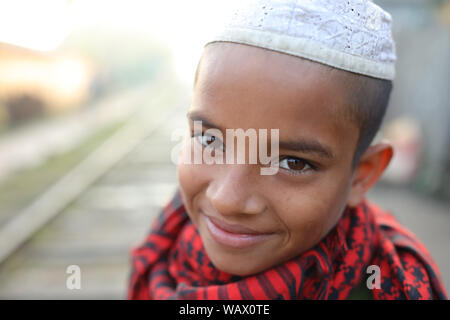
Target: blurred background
90,95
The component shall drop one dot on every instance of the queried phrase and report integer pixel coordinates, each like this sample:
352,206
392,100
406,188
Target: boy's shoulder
406,258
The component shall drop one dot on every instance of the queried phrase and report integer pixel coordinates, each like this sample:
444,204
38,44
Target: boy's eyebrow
299,145
307,146
195,116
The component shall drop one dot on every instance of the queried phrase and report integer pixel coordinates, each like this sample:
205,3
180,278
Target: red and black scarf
172,263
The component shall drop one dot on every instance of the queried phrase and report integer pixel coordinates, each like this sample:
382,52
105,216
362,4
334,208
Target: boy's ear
368,170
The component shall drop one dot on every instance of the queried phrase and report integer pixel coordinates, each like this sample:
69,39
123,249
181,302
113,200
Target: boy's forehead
221,56
238,62
275,81
245,87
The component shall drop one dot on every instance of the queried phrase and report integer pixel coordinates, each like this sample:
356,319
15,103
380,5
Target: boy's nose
234,193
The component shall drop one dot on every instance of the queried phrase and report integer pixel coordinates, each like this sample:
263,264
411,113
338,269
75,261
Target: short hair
369,99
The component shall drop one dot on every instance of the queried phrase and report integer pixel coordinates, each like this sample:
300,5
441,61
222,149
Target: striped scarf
173,264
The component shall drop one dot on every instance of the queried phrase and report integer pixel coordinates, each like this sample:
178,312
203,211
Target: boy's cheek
187,172
312,212
193,180
187,179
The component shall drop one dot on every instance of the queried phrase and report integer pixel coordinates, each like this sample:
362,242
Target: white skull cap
353,35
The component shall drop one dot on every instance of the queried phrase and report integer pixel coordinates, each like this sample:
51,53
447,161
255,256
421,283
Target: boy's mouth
232,235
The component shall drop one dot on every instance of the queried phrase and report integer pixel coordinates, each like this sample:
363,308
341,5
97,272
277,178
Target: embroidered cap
353,35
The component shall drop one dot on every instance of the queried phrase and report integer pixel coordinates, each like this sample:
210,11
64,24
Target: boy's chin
238,268
236,264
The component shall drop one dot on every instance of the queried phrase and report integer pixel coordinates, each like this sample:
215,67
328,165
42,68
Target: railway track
95,213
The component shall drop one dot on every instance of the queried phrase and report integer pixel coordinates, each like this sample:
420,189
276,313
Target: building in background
421,95
33,83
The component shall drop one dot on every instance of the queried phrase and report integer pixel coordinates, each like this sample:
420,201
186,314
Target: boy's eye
207,140
295,165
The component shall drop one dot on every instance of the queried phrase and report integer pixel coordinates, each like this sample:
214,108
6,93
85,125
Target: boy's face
250,222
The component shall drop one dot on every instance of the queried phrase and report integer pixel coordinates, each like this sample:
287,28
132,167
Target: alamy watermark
218,153
73,281
374,280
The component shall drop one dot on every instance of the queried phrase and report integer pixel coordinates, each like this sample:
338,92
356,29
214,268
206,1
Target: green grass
22,188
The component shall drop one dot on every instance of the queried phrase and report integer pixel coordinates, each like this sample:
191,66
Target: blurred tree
121,59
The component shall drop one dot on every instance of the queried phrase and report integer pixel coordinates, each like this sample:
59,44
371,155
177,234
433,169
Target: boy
320,73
